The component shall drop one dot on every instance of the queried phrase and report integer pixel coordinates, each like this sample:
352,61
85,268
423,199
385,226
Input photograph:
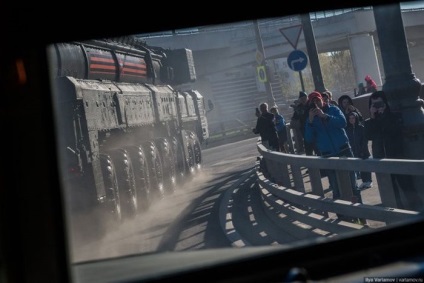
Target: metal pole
301,81
270,95
312,52
401,86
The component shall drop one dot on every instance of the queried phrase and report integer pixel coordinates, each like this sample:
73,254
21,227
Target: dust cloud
92,238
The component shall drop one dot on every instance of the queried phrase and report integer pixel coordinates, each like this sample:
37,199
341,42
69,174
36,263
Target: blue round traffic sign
297,60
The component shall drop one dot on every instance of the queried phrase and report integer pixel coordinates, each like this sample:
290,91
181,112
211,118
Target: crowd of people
324,127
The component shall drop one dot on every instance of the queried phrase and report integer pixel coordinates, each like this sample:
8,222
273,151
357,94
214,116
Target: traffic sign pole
297,60
301,81
312,52
271,99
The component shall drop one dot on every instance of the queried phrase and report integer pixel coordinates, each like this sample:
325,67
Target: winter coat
357,139
356,110
385,132
328,133
280,122
280,125
299,116
265,127
371,84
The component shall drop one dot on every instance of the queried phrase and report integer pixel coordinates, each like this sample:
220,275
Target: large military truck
127,135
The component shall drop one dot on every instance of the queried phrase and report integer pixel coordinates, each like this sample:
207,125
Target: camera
257,112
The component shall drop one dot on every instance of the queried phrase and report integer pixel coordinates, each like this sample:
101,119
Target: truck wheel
197,151
180,165
112,204
190,160
188,154
168,164
155,169
142,178
126,182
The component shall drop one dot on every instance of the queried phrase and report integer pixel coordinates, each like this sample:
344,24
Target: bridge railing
283,184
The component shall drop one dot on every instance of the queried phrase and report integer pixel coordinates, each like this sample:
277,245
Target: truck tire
168,164
190,161
142,178
188,155
112,204
197,151
155,169
180,165
126,182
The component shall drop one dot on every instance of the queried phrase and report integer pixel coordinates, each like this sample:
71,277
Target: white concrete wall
364,58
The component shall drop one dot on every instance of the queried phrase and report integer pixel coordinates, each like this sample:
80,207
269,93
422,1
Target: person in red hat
371,85
325,126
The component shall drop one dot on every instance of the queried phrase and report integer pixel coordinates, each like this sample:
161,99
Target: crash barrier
287,192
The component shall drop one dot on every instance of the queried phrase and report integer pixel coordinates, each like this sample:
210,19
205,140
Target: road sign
261,73
292,34
297,60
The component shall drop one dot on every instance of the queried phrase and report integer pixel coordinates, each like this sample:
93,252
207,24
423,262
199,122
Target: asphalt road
187,220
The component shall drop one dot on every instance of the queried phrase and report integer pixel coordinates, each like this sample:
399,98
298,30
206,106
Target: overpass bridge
334,31
225,58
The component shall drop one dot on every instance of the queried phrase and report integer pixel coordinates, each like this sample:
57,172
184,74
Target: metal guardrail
283,185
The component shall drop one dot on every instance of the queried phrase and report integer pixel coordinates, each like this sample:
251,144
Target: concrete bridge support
364,57
402,87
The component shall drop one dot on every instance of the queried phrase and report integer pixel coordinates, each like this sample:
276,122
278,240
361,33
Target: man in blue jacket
325,127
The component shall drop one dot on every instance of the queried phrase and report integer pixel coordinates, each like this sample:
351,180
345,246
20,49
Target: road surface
186,220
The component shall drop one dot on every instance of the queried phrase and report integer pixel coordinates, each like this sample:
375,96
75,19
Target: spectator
361,89
359,144
280,125
326,127
327,96
371,85
346,105
257,112
384,129
297,122
265,127
310,146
